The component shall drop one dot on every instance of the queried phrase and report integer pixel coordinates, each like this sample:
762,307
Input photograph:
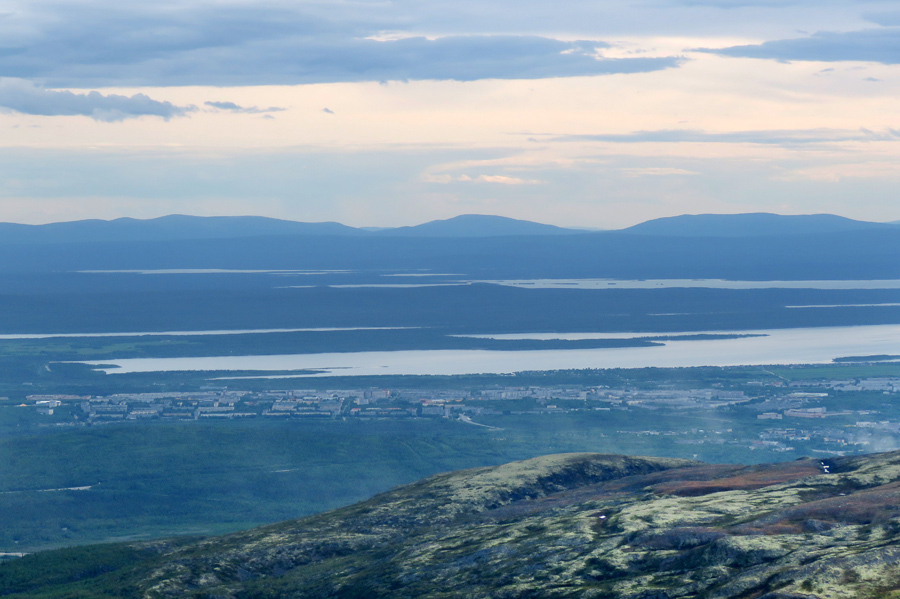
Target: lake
694,284
773,346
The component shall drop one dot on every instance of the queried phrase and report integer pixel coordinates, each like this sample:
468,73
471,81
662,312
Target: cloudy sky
594,113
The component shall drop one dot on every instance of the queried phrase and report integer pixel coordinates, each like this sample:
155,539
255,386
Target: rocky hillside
573,525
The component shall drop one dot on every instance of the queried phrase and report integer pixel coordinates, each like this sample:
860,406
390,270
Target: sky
588,113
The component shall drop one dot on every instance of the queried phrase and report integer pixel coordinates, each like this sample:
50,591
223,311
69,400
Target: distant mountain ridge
478,225
751,225
726,247
165,228
184,227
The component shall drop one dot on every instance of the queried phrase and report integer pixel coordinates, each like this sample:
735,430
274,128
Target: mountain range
737,247
569,525
182,227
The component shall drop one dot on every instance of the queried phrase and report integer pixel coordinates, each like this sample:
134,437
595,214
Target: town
826,416
220,402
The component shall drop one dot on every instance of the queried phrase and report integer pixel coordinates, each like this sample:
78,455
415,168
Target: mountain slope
750,225
575,525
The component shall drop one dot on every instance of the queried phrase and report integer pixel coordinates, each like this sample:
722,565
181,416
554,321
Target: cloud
655,171
499,179
834,172
328,111
469,58
885,19
776,137
95,44
224,105
232,107
459,58
27,98
868,45
506,180
736,4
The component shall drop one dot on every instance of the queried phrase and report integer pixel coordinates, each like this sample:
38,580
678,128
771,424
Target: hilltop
570,525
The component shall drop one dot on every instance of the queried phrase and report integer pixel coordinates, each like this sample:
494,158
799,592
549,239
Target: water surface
693,283
771,346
